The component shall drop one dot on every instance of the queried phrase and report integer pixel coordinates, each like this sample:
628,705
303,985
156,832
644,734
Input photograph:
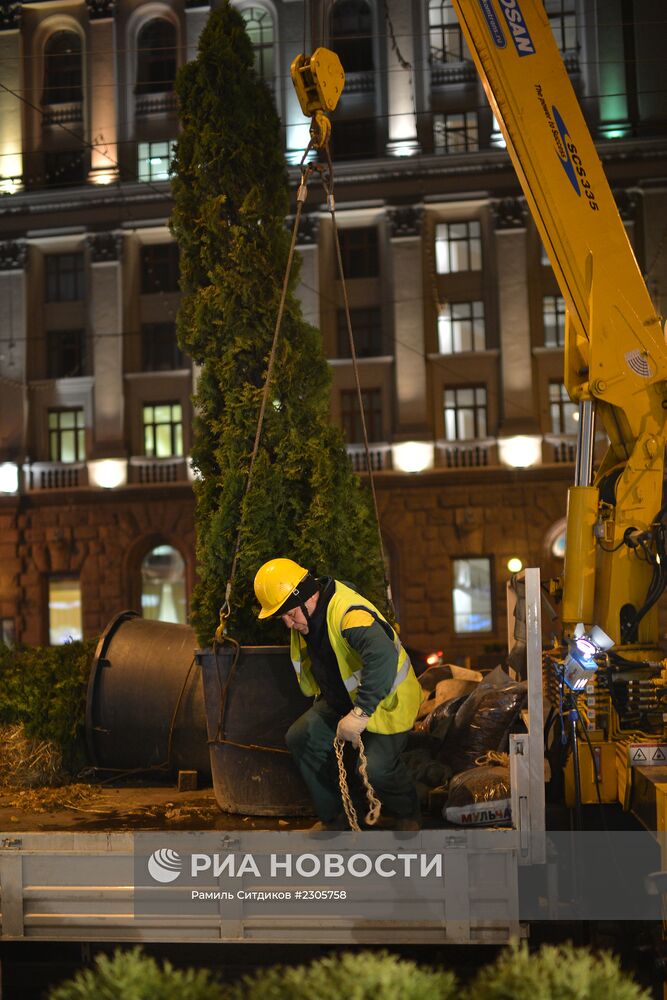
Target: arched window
554,540
156,57
259,26
62,68
163,585
352,35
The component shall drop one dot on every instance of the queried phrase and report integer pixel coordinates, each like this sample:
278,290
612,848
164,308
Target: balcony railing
444,73
360,83
155,104
467,454
380,455
560,448
158,470
55,475
62,114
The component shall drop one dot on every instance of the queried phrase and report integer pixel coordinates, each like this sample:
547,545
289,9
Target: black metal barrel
145,705
249,708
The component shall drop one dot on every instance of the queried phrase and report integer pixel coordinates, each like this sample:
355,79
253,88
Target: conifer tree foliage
230,202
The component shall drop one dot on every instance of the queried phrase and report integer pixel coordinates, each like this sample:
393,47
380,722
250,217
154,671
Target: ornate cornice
13,255
105,247
99,10
405,221
509,213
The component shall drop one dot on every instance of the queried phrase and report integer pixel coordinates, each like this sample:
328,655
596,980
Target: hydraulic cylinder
580,545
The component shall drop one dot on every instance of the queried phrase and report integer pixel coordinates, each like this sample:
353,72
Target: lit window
62,69
455,133
558,545
461,327
7,632
163,430
156,57
563,413
471,595
458,247
445,37
563,21
67,435
553,318
465,413
154,159
259,27
64,611
64,277
163,586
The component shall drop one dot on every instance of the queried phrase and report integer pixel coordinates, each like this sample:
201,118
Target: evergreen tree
231,198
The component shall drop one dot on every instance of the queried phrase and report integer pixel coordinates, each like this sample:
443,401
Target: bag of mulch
484,720
480,796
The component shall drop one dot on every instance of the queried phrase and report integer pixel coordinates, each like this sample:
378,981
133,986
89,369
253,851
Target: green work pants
310,740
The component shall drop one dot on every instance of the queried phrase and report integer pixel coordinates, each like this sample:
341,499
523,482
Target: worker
348,656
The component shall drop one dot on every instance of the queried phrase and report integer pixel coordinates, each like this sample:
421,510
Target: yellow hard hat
275,581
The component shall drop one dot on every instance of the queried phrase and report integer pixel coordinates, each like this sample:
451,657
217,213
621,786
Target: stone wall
427,521
100,537
431,520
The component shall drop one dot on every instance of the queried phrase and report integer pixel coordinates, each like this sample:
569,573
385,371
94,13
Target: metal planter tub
250,704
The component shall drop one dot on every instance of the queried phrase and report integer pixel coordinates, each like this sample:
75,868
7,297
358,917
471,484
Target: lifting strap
302,193
326,174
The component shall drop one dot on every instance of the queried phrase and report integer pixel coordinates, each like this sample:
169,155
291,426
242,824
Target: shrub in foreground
554,973
130,975
356,975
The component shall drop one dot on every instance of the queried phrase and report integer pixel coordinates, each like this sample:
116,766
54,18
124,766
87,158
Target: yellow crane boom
615,355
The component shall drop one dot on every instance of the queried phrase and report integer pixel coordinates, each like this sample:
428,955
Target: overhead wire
381,116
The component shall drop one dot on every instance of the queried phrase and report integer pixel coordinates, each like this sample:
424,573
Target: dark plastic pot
142,680
250,712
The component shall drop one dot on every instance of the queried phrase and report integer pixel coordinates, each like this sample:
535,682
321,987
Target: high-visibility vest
396,712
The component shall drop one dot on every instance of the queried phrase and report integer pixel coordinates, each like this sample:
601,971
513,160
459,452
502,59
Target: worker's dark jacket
351,620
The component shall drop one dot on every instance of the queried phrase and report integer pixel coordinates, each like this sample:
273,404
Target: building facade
457,317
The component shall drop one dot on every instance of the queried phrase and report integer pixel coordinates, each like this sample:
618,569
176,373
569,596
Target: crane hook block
318,80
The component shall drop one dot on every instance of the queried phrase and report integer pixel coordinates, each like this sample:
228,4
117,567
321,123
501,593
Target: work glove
350,727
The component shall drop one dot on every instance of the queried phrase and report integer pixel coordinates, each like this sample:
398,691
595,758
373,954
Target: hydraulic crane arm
615,351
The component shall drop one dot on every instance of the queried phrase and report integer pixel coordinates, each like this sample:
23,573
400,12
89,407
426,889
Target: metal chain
374,804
